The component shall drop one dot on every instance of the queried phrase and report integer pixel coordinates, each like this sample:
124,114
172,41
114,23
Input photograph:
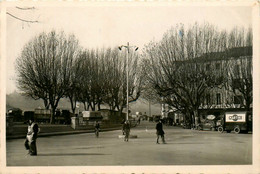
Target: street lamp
127,72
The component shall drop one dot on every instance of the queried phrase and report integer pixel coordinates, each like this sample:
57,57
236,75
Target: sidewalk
68,132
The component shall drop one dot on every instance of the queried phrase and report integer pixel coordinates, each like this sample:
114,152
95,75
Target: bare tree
112,73
90,79
240,66
149,93
241,81
44,67
23,20
187,64
135,80
74,86
178,70
102,78
113,65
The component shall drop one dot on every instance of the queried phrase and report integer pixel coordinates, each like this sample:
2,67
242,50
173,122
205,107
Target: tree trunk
114,107
46,103
52,119
72,104
85,106
196,118
93,106
99,106
248,103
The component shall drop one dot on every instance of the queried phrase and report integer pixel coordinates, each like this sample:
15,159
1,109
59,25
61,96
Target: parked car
186,125
207,125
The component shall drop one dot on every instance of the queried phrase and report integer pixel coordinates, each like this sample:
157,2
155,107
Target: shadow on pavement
89,148
190,143
71,154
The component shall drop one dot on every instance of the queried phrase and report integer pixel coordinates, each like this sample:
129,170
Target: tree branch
26,8
21,19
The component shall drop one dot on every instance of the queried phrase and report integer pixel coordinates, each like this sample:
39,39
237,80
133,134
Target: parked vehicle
44,115
92,116
237,121
186,125
16,113
208,123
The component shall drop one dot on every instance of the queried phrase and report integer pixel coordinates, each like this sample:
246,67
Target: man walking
159,131
30,142
97,127
126,129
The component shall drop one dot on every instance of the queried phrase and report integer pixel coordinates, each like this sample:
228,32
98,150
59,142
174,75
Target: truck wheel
237,130
220,129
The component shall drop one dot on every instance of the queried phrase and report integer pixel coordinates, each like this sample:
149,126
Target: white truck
237,121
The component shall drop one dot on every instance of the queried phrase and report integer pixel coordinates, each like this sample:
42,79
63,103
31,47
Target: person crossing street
97,127
126,130
160,132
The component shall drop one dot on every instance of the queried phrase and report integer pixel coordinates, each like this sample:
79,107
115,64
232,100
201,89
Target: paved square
184,147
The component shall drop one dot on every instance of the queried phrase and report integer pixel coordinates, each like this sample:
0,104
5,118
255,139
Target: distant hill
143,106
16,100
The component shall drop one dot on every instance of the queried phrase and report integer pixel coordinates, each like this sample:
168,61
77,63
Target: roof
231,53
241,52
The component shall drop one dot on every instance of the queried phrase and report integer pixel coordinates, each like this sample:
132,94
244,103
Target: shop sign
236,117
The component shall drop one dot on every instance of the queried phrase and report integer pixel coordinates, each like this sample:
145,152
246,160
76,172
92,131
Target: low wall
78,123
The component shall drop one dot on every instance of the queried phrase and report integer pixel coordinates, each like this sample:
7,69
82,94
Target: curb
63,133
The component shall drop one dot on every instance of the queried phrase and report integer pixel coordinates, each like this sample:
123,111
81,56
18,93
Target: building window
218,99
238,99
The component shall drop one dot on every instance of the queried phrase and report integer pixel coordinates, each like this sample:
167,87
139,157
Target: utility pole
127,72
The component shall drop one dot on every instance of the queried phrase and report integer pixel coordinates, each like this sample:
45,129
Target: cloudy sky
109,26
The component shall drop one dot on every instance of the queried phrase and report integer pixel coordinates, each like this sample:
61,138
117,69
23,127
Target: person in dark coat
139,120
126,130
97,127
159,131
32,134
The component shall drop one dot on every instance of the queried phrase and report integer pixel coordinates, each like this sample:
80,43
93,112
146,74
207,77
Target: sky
111,26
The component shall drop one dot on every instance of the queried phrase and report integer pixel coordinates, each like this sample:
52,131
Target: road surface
184,147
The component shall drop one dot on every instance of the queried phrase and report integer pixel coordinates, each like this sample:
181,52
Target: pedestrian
97,127
32,134
123,122
159,131
126,130
139,120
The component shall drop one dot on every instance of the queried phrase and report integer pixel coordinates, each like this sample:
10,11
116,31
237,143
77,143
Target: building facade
233,70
